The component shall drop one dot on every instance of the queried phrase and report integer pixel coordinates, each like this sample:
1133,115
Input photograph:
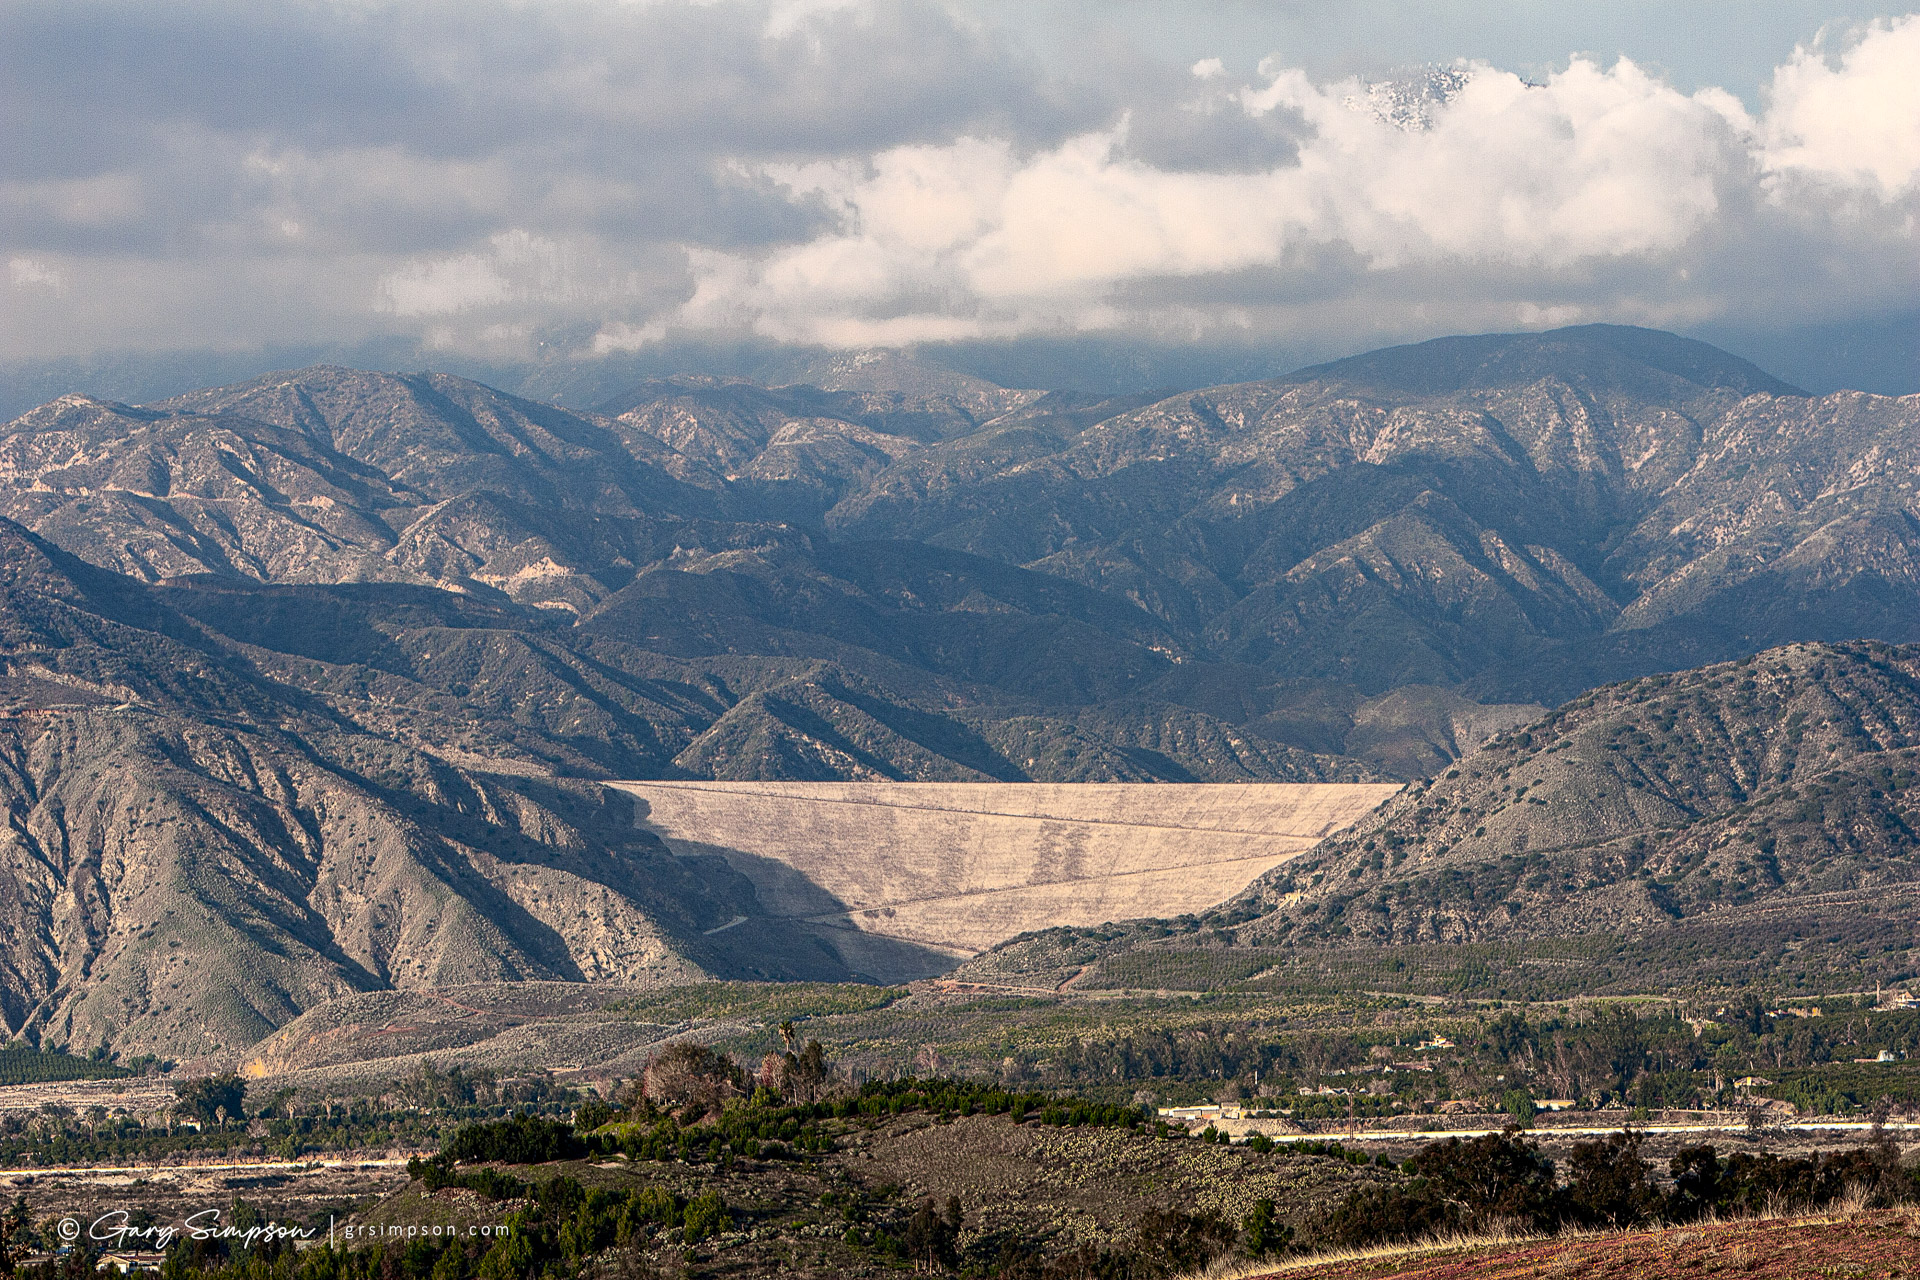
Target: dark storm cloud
90,87
379,123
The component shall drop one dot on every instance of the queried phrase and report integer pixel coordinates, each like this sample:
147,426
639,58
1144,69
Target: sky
571,180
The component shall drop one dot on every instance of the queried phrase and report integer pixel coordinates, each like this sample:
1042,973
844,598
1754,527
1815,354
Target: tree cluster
1501,1179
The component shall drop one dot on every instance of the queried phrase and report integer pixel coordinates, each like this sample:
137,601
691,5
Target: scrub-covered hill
1788,776
1749,822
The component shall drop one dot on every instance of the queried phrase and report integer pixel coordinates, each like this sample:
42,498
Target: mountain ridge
1452,364
1788,773
1750,824
386,632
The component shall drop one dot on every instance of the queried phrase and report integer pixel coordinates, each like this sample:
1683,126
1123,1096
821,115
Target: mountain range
311,678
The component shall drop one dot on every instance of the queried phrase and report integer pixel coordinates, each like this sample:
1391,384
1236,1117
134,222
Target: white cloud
1854,118
1604,192
90,204
1593,164
786,17
853,173
439,286
620,335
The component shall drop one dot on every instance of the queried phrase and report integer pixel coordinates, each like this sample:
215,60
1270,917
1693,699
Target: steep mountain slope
229,804
193,854
1519,515
333,475
212,502
444,436
1715,794
148,493
306,681
1752,824
1511,518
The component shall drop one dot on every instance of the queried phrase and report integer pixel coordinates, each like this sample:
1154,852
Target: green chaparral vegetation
846,1130
1321,1058
688,1173
1666,1052
224,1115
767,1001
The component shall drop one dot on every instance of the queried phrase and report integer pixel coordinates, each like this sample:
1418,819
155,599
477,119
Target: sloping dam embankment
945,870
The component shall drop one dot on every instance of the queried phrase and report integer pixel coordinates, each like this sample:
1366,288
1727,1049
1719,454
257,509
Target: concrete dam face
904,879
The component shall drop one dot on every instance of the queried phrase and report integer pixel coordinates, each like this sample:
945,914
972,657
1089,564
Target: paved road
1584,1131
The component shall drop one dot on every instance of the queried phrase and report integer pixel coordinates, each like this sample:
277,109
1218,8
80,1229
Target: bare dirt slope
1883,1243
956,868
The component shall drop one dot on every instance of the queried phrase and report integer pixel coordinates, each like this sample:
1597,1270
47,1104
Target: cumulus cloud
520,266
1851,116
370,157
1601,191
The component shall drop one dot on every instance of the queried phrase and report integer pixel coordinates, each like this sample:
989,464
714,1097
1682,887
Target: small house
128,1261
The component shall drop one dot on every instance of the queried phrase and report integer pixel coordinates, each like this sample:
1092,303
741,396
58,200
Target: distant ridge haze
1618,356
1882,357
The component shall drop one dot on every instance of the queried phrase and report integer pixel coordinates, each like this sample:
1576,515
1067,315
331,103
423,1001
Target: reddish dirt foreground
1868,1245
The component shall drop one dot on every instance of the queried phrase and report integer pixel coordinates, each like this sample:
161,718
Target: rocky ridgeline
293,669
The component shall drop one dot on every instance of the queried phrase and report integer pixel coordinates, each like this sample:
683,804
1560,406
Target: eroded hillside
1056,579
194,854
1786,777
